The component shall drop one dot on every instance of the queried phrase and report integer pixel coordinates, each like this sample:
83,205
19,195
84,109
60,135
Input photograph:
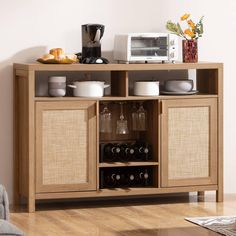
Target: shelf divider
119,83
127,164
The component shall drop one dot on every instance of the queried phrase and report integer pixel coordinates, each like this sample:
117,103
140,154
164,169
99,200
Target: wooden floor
159,216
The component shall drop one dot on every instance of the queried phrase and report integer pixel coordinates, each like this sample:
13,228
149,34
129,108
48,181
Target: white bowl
57,92
178,85
146,88
57,79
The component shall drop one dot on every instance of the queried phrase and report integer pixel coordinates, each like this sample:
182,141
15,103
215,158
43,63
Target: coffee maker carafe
91,46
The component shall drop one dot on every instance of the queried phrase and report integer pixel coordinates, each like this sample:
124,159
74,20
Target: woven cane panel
64,156
188,142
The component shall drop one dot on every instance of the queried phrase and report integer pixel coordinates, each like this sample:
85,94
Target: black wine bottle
111,152
144,177
116,152
123,155
130,153
107,152
142,152
112,180
131,179
123,180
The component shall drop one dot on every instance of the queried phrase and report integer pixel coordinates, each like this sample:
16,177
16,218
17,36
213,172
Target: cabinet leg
201,195
219,196
31,205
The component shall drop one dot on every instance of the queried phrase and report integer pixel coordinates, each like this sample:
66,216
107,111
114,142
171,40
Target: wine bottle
116,151
112,180
144,177
107,152
142,152
123,155
123,179
111,152
130,153
127,177
131,179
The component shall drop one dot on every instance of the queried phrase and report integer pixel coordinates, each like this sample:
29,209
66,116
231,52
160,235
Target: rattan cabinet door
189,142
66,144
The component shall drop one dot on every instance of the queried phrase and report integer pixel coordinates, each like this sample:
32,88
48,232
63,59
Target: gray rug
225,225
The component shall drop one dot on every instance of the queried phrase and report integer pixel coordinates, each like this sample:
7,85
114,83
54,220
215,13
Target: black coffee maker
91,46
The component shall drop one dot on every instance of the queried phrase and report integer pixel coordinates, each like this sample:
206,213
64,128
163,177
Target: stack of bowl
57,86
178,86
146,88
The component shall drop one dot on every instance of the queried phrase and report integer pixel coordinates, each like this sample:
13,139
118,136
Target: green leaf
180,30
174,28
199,27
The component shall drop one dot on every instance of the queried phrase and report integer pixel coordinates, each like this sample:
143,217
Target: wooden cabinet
57,142
66,146
189,142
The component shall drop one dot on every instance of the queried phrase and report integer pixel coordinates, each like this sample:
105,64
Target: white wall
30,27
216,45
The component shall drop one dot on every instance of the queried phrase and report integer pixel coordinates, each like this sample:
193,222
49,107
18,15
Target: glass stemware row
138,119
105,120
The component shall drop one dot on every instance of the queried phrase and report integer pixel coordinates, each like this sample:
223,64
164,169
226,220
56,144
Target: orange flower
191,24
185,16
189,33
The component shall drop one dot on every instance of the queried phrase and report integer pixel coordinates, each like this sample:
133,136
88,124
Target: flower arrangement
194,31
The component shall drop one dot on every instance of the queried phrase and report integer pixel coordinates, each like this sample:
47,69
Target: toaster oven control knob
172,42
172,54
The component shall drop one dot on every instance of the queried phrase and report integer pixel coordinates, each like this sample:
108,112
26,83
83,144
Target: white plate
179,93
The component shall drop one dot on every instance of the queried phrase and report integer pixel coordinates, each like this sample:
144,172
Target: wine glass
134,117
105,120
122,124
141,118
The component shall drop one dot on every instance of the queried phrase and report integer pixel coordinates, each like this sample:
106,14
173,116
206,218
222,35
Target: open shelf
142,177
120,164
128,98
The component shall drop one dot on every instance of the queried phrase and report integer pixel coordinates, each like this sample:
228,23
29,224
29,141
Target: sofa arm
4,204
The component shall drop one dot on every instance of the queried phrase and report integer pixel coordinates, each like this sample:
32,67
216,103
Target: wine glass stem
121,111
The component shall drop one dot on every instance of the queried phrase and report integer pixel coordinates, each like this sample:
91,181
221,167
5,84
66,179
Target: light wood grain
31,140
176,158
128,98
21,137
97,145
119,67
118,164
220,136
119,83
124,192
16,197
53,174
209,83
162,216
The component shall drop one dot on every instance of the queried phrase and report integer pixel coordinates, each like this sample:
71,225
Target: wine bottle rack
125,152
126,177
